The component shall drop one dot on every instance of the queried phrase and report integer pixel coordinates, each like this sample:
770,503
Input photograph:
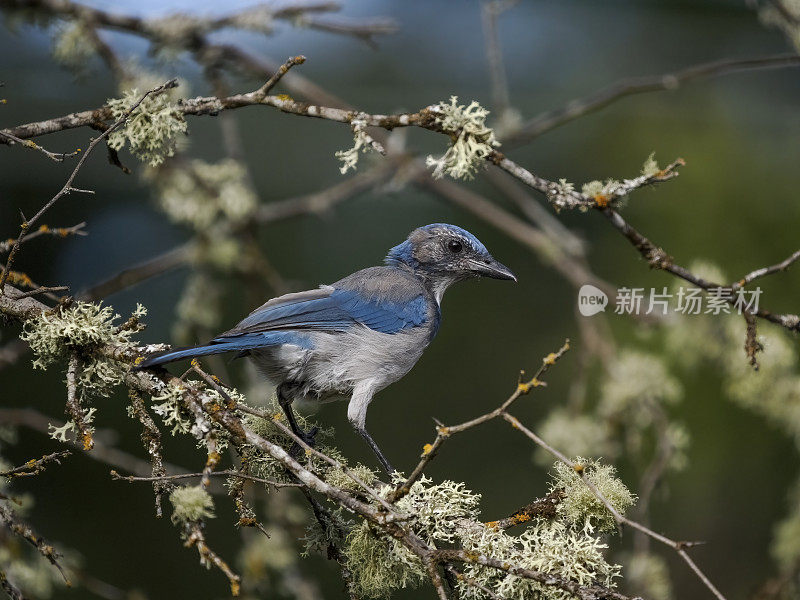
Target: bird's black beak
489,267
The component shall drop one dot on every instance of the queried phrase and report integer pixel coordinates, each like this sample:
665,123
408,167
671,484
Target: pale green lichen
786,544
174,33
72,46
201,193
447,514
338,477
318,538
552,547
361,143
262,558
575,435
472,140
257,18
169,406
648,575
580,505
31,573
83,327
62,434
650,166
261,464
380,564
198,308
785,15
438,509
635,381
151,129
608,188
191,503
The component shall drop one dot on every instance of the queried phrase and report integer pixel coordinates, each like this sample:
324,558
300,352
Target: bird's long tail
242,344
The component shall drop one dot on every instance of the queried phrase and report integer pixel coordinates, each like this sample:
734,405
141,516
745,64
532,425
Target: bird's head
444,254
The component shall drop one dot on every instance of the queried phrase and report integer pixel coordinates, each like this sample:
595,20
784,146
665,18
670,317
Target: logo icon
591,300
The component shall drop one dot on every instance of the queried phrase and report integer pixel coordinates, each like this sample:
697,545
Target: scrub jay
360,334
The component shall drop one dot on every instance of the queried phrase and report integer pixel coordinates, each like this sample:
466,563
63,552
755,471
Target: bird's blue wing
376,298
333,309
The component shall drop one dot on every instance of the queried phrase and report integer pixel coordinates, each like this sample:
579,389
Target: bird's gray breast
338,361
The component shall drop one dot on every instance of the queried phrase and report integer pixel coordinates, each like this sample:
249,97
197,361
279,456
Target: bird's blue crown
403,253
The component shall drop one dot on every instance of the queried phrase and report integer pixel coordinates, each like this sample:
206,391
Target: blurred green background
735,204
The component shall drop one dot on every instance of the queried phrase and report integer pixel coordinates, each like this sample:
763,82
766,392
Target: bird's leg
285,400
381,458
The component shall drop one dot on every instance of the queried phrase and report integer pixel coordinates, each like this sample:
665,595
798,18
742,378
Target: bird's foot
309,438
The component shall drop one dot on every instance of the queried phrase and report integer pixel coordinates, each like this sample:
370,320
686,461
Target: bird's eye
454,246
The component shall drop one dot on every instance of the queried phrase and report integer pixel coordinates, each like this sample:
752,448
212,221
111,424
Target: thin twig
764,271
29,223
226,473
639,85
54,156
444,432
35,466
8,517
46,230
273,81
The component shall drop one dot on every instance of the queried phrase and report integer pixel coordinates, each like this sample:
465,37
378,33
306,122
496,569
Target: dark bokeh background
734,204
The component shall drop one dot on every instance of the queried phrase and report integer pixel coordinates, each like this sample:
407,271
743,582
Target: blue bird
360,334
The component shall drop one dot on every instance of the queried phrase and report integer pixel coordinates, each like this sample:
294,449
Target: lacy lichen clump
72,46
447,514
576,434
635,380
472,140
785,15
82,328
361,143
580,506
552,547
199,308
650,166
648,574
169,406
191,503
150,130
203,193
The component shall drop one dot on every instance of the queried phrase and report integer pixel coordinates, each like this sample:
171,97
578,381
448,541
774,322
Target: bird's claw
308,437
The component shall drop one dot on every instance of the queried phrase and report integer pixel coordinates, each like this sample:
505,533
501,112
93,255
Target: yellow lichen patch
493,524
521,518
444,431
284,97
17,278
234,588
44,228
427,449
550,359
578,468
88,442
195,363
601,200
62,231
139,360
